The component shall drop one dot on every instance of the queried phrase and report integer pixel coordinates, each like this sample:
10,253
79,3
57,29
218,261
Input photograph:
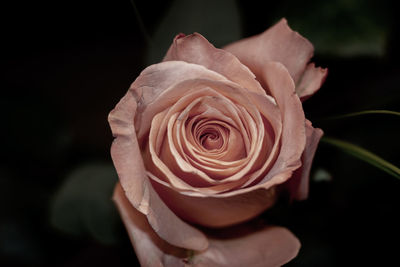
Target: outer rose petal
128,162
269,246
298,184
279,43
311,81
196,49
281,87
225,211
150,249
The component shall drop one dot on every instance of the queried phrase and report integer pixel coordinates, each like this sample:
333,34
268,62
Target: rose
208,138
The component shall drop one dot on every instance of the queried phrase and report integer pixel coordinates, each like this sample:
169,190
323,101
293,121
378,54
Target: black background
66,64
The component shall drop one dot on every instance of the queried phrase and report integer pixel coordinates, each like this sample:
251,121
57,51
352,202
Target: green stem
364,155
365,112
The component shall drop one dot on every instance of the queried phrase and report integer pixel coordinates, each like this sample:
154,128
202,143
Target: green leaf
83,205
364,155
365,112
344,28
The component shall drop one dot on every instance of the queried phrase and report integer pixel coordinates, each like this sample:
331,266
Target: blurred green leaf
345,27
83,205
219,21
364,155
365,112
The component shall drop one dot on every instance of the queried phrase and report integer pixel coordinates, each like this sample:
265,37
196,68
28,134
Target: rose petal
293,140
246,246
228,210
299,183
128,162
311,81
279,43
151,250
269,247
196,49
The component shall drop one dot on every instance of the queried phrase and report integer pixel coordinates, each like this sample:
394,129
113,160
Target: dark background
66,64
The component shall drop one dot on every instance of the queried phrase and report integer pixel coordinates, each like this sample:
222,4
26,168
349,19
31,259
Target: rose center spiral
211,139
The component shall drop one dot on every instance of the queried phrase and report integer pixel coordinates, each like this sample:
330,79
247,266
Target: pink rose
207,139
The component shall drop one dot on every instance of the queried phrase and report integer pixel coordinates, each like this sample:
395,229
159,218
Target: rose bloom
208,139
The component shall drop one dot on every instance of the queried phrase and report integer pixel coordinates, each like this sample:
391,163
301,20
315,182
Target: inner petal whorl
211,139
210,135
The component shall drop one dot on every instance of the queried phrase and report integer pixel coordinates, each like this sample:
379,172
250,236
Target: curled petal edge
298,185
